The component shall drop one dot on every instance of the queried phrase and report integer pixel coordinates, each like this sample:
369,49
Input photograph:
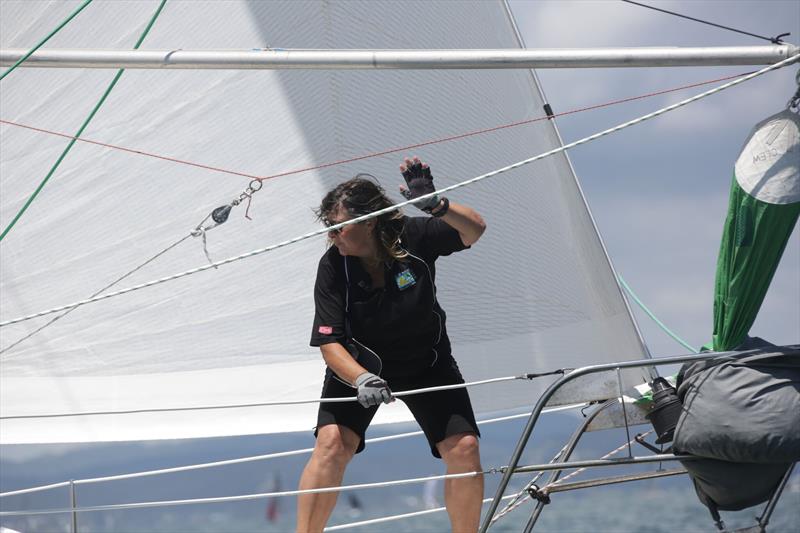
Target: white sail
535,294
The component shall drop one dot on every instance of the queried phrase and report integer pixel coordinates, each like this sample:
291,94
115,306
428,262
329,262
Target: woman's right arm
341,362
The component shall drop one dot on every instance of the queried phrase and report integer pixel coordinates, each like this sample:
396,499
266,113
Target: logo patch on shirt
325,330
405,279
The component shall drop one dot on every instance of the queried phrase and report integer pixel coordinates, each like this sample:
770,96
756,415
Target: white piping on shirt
433,291
347,311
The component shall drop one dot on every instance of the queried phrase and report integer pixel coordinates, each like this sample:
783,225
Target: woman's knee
460,449
336,443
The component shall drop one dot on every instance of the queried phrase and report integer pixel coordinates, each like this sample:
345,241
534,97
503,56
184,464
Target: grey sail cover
742,414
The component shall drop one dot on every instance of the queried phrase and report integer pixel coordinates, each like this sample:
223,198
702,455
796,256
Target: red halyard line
374,154
129,150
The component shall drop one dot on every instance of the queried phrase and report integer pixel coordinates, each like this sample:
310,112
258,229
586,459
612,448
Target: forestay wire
394,207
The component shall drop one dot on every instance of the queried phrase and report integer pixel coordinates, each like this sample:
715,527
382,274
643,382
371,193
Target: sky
659,191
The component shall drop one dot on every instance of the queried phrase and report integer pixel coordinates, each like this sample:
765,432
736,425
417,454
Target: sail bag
741,413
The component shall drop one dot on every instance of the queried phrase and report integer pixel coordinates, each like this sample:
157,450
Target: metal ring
253,188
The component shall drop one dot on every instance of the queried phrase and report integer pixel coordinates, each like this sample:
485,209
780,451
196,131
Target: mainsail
537,293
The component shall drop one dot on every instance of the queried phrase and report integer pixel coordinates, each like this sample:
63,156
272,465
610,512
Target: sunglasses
329,223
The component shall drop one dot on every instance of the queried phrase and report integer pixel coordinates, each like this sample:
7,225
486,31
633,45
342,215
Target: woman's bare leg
335,446
462,497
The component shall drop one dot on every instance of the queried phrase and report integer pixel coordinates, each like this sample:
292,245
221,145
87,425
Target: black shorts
440,414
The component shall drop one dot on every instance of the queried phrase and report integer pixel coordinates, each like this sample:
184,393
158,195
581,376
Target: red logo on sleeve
325,330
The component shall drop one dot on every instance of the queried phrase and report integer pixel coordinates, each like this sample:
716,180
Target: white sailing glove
372,390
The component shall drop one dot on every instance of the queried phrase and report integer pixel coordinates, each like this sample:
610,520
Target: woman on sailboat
380,329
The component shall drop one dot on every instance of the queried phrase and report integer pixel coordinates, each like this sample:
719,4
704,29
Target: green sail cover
764,206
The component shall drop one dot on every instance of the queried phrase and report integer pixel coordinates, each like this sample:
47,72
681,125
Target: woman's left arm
465,220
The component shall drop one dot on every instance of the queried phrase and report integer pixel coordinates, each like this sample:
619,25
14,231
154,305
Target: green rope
83,127
656,320
41,43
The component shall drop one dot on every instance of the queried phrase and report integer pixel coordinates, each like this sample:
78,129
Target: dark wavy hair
360,196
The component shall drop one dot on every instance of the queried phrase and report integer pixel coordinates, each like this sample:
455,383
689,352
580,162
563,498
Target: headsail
537,293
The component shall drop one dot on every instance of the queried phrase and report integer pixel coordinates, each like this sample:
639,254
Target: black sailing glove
372,390
420,181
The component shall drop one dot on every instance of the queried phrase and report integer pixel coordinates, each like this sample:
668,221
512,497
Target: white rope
276,455
516,501
515,504
261,404
408,202
245,497
606,456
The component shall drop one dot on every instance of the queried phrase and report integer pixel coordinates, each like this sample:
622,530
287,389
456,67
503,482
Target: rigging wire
283,402
83,127
249,497
97,293
655,319
465,183
343,488
277,455
392,518
517,498
773,40
199,231
606,456
47,38
517,501
373,154
253,188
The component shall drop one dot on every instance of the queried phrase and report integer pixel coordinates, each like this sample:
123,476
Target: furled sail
537,293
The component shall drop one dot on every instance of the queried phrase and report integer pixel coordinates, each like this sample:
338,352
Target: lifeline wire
773,40
83,127
399,516
41,43
655,319
240,460
383,152
268,404
374,214
246,497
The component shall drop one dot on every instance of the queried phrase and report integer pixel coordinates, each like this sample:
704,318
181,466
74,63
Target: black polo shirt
399,329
